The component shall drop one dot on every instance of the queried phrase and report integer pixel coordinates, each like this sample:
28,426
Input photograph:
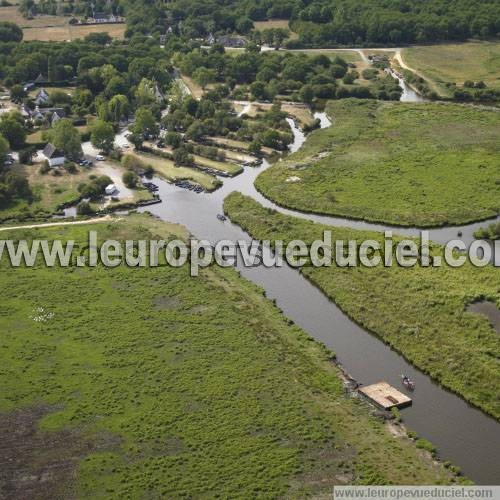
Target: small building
111,189
28,86
159,97
385,396
54,156
57,114
42,98
40,79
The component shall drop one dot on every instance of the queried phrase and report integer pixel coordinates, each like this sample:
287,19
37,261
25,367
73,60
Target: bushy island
405,164
419,311
148,382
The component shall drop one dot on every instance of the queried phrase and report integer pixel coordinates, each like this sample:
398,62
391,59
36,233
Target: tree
10,32
65,137
12,129
254,147
145,93
102,135
130,179
83,208
99,38
203,76
306,94
4,149
145,123
119,107
17,93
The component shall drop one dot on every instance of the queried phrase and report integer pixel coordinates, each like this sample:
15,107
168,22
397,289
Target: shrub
45,168
130,179
83,208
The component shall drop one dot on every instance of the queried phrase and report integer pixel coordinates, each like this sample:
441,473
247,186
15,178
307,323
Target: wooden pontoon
385,396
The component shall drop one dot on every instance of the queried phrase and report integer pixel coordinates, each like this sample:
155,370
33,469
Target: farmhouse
53,155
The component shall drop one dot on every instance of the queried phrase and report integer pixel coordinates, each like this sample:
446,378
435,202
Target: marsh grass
403,164
204,386
420,311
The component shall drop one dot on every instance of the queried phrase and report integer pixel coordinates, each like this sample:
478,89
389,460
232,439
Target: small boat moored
408,383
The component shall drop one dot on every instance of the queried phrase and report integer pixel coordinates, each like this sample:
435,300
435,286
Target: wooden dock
385,396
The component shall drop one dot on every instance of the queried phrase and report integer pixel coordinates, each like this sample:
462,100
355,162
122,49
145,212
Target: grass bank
420,311
166,168
404,164
151,382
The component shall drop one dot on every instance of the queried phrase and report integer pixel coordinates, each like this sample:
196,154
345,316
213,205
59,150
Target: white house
53,155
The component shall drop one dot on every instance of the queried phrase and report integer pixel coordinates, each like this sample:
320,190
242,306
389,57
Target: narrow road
55,224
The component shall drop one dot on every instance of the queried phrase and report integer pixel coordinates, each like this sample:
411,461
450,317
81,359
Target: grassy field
405,164
419,311
56,28
238,145
149,383
166,168
350,56
63,33
222,166
456,63
273,24
49,192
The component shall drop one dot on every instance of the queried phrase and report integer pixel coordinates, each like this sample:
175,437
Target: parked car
99,157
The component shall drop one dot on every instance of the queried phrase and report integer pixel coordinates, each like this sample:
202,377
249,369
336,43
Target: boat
221,217
407,382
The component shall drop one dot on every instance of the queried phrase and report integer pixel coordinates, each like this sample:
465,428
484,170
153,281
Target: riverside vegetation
175,386
390,162
419,311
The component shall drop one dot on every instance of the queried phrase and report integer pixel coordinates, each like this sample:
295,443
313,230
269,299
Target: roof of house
40,79
50,151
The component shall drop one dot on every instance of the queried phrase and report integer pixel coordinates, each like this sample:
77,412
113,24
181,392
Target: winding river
463,434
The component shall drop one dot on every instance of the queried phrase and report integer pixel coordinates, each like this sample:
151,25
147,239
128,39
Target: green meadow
149,383
419,311
399,163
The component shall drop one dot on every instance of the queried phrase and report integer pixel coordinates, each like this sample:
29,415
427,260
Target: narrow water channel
462,434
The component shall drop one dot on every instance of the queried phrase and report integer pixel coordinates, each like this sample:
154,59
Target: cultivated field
404,164
456,63
149,380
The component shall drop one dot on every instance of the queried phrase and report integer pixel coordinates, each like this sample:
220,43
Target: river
463,434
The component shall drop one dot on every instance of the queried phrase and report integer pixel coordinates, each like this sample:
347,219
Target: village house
42,98
101,18
53,155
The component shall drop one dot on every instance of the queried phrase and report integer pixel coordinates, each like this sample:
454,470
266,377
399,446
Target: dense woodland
325,22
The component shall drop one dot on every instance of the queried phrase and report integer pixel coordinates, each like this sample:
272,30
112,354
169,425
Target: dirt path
68,223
